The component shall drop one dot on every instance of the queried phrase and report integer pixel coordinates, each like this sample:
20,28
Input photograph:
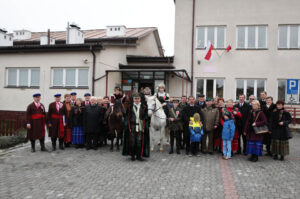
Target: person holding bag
256,121
280,131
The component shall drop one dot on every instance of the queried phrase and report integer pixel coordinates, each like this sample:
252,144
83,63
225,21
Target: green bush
11,141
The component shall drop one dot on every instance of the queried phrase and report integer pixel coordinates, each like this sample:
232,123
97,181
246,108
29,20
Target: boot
32,146
42,143
53,144
132,158
282,158
251,158
171,150
275,157
255,158
139,158
61,144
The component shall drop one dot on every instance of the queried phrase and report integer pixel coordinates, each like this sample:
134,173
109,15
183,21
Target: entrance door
144,84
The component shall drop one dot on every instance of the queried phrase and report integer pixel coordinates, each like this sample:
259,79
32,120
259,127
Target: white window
69,77
215,34
252,37
289,36
210,87
250,87
22,77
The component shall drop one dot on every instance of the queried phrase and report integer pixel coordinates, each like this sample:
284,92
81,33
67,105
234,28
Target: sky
40,15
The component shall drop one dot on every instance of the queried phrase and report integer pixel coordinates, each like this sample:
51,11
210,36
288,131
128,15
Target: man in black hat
175,125
36,120
73,98
136,141
87,97
201,101
56,123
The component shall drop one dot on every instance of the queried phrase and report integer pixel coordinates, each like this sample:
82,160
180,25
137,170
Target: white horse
158,121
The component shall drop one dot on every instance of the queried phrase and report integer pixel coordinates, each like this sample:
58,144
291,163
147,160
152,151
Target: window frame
29,69
246,42
245,86
64,77
288,39
214,86
215,36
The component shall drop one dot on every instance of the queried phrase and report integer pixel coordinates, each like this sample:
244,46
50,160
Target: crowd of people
197,126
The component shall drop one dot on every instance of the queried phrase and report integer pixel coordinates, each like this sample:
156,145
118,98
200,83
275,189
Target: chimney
115,31
5,39
22,34
74,35
44,40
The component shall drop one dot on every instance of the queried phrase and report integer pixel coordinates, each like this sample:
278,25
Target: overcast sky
39,15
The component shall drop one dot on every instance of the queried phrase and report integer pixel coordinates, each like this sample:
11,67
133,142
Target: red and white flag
208,51
228,48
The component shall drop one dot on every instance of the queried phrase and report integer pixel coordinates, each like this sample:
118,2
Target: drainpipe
192,53
106,89
94,69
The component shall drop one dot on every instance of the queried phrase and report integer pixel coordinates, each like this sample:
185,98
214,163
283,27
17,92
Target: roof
94,34
149,59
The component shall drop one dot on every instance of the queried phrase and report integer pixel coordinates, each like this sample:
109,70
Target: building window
250,87
252,37
70,77
289,36
215,34
22,77
210,87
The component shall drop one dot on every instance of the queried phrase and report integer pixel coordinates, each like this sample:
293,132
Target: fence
11,122
295,113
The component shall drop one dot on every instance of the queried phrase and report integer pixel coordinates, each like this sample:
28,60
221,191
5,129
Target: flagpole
217,52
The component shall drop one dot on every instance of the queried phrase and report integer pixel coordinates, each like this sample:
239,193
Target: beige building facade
265,40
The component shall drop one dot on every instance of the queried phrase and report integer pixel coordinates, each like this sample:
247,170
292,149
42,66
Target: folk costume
36,117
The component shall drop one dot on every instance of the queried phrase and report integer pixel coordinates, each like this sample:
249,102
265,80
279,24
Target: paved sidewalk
77,173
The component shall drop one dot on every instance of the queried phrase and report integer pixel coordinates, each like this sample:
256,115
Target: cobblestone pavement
77,173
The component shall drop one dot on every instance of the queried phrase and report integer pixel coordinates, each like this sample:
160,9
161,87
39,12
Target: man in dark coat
136,141
201,101
244,109
56,123
175,126
87,97
268,110
188,112
36,120
262,101
92,123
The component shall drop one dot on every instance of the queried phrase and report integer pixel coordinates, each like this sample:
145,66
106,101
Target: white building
265,40
77,60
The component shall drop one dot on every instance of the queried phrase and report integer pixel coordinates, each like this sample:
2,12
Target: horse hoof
161,150
151,150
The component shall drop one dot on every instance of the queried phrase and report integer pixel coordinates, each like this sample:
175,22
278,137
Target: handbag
260,129
288,132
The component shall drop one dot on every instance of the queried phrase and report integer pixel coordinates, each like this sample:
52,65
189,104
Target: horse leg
162,132
152,143
118,138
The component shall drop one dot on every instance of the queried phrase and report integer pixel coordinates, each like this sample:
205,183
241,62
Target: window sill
288,48
69,87
251,49
23,87
214,48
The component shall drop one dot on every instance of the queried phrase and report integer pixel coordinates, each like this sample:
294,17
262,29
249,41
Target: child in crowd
196,131
228,131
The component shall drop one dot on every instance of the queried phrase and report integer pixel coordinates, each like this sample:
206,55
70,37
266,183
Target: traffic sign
292,87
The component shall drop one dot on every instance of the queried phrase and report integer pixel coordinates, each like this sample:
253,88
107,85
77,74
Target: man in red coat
56,122
36,120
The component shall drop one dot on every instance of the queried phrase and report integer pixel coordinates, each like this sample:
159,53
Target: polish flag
208,51
228,48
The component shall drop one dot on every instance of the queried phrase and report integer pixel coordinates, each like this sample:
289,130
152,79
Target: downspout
94,69
192,52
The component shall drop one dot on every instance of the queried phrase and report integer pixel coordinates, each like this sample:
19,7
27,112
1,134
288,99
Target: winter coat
228,130
211,118
189,111
280,132
260,121
76,116
176,125
196,131
92,119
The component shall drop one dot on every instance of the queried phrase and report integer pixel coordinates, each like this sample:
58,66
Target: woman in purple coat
254,141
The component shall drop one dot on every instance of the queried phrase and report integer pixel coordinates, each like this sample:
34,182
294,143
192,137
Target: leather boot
61,144
53,144
42,143
32,146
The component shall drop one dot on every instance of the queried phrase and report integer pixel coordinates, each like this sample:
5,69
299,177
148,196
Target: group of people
206,125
